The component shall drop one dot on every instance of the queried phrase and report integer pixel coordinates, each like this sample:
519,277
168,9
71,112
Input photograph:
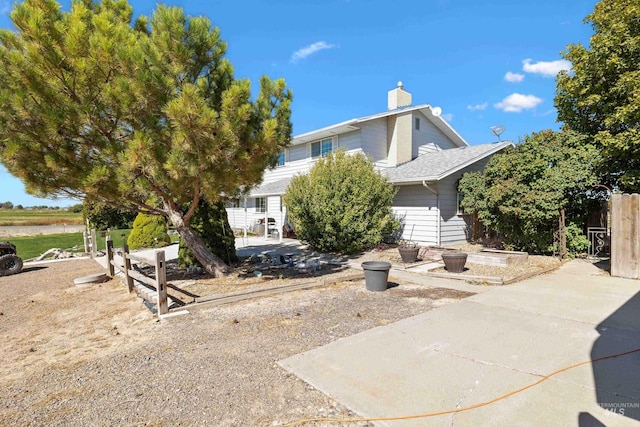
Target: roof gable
357,123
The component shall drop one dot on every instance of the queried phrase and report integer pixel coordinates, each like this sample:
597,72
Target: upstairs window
417,123
281,158
321,148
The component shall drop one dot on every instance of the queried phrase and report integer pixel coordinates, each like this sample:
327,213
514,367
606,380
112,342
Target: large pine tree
94,104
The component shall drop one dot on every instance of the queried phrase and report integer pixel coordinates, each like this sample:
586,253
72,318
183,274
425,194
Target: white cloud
478,107
310,50
546,68
513,77
448,117
517,102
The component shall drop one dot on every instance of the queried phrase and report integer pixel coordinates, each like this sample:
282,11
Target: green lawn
33,246
10,217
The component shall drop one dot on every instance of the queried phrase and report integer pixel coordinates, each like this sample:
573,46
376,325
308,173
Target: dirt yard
96,356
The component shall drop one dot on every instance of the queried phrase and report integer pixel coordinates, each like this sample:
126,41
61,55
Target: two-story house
420,153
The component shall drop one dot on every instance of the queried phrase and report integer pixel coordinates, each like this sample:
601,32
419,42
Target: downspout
426,185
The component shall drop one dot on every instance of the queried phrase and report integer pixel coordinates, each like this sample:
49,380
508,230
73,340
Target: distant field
9,217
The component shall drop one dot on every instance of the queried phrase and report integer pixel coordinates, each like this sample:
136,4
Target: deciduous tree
94,104
600,96
522,191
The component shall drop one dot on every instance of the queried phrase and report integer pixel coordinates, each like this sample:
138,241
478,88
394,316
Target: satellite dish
436,111
497,131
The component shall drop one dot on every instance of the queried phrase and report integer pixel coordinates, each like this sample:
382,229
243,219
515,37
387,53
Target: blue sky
485,63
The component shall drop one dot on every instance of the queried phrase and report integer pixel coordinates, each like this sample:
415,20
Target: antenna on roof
400,83
497,130
436,111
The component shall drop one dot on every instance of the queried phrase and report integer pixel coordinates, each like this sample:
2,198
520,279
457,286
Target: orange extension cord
468,408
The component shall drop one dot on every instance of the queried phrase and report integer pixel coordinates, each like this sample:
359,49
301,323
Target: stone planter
408,254
376,274
454,262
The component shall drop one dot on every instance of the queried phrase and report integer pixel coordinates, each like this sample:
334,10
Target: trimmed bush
343,205
210,222
149,231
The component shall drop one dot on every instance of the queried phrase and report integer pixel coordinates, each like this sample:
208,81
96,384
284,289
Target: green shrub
211,224
577,242
342,205
149,231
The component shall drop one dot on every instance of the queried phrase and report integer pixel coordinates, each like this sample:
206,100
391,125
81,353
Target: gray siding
428,138
349,141
296,162
374,140
418,208
455,228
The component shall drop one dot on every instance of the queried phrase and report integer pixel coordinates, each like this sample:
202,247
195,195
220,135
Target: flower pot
408,254
454,262
376,274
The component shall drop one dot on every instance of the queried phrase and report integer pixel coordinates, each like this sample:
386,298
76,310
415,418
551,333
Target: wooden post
110,267
85,238
563,235
127,266
161,283
94,245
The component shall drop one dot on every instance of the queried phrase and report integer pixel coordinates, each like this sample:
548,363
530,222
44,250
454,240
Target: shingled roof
440,164
272,188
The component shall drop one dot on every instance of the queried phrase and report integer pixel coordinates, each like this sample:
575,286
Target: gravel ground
80,356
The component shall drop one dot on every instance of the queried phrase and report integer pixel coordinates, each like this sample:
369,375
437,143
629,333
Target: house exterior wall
455,228
428,138
298,158
417,208
373,141
429,219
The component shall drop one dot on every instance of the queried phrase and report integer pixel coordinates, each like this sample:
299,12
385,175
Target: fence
625,235
158,284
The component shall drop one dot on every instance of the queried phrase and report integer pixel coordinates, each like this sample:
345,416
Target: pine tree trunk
211,263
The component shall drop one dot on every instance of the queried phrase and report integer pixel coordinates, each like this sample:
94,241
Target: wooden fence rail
157,283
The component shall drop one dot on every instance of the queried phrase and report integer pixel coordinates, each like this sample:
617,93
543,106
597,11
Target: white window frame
261,204
321,142
282,154
416,123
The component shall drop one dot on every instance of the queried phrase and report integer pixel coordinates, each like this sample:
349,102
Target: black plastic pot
454,262
408,254
376,274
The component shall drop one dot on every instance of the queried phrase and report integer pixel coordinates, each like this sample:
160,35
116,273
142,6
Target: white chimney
398,97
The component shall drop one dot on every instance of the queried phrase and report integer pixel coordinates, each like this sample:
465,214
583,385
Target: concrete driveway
486,346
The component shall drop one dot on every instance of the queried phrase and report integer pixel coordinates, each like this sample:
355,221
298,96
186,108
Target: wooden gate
625,235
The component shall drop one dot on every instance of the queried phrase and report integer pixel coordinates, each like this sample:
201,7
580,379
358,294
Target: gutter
426,185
